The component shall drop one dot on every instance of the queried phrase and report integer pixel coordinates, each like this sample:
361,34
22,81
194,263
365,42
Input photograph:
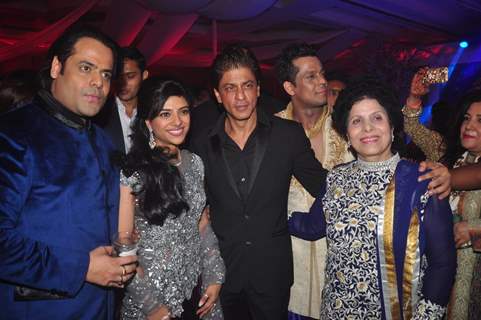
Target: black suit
108,119
253,234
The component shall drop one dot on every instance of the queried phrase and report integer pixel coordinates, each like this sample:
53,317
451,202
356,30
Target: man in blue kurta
59,191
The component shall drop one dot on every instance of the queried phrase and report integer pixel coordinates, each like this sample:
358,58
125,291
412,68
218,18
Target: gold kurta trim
389,251
411,261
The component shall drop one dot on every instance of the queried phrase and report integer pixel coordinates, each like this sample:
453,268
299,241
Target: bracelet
410,112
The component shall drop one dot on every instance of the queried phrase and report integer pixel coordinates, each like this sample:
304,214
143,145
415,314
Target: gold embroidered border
389,250
410,263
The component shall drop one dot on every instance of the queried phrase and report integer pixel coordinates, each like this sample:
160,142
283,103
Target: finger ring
465,245
206,296
122,278
123,270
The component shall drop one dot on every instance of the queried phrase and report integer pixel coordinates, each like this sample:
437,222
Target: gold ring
124,272
465,245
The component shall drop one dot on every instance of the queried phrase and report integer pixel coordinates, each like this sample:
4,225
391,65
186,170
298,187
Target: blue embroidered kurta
391,250
58,201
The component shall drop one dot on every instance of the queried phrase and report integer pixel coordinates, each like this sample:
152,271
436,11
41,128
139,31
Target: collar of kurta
60,112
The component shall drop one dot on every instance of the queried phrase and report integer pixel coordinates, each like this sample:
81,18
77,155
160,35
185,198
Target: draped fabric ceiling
188,33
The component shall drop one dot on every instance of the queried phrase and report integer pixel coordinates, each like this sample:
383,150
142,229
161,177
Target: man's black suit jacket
108,119
253,234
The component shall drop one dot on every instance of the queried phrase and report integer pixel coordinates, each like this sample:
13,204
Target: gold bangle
410,112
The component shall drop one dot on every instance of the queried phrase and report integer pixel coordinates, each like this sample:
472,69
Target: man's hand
208,300
105,270
441,178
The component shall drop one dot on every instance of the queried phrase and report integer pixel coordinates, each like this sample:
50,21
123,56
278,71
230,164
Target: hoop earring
151,139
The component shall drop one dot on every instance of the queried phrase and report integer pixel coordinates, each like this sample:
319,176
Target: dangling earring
392,136
151,139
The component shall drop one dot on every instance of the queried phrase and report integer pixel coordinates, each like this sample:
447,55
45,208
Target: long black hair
161,193
454,148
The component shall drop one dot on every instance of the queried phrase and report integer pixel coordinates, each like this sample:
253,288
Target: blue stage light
463,44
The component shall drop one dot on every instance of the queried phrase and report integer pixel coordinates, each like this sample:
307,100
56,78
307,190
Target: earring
392,137
151,139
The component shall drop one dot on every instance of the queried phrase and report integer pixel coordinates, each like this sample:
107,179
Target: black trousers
249,304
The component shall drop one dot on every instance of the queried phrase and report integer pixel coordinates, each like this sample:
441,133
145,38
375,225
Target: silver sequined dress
174,255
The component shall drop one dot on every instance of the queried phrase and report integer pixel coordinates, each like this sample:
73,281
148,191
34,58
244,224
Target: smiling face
310,87
238,92
83,82
172,124
470,132
369,131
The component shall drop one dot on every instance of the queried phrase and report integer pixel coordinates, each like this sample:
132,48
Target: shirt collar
263,120
121,106
60,112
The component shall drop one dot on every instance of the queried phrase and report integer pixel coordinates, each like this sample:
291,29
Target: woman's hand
161,313
461,233
208,300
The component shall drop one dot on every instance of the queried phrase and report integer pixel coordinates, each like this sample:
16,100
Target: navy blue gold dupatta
400,241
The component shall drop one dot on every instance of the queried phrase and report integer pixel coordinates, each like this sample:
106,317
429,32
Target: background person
466,205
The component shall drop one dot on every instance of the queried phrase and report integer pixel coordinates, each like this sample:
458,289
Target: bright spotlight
463,44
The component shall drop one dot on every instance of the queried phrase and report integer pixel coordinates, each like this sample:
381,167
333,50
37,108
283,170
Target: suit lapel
220,159
261,146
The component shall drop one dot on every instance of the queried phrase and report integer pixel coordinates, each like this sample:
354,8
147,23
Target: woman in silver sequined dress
162,197
391,251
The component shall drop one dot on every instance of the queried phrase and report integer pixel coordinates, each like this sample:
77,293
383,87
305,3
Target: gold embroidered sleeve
429,141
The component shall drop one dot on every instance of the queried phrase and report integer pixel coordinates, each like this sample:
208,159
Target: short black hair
233,57
370,88
285,68
63,47
132,53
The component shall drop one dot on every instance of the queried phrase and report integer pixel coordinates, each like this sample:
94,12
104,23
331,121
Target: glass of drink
125,243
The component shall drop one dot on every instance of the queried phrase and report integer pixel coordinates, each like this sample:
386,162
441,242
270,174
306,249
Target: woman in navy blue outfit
391,252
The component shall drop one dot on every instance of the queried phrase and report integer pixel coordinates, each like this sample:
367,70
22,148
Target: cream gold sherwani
310,256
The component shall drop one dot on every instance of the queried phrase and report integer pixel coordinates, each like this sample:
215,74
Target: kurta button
246,217
243,179
248,243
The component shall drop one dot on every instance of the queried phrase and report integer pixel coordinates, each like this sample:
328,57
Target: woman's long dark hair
454,148
161,193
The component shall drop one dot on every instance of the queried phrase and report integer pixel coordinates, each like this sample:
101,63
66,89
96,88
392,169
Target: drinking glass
125,243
